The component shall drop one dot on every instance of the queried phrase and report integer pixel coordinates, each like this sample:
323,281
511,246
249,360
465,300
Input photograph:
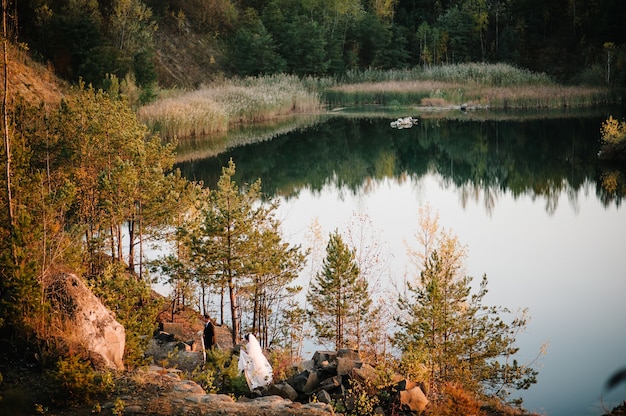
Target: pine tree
239,251
338,296
275,265
447,327
222,247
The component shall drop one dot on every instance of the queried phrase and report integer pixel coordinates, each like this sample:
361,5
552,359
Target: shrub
222,367
281,362
613,131
360,400
205,377
479,73
131,301
79,380
454,401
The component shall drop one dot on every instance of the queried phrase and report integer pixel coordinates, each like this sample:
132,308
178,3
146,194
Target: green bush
79,380
131,301
221,374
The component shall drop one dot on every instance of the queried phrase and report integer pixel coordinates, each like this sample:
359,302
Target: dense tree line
578,40
85,176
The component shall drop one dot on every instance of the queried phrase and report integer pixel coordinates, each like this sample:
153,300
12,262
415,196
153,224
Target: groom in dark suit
209,333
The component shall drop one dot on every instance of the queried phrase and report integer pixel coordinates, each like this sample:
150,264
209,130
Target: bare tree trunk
234,309
131,245
222,304
140,243
5,121
112,231
120,252
256,310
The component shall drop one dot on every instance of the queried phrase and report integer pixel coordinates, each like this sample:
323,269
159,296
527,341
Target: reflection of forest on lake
542,158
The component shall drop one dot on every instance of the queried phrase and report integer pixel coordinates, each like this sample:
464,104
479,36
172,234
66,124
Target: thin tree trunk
120,252
222,304
131,245
203,299
7,140
256,309
234,311
140,243
112,241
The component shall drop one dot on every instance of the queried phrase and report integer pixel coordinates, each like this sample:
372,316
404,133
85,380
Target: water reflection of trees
543,159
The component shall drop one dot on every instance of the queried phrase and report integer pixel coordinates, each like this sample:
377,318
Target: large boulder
87,324
413,400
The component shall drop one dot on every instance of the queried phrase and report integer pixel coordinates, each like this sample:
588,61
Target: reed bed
492,85
213,109
392,93
475,73
545,97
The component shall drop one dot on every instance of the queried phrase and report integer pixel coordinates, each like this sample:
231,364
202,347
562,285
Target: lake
522,191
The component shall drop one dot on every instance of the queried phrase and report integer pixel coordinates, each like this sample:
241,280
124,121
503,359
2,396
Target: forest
573,41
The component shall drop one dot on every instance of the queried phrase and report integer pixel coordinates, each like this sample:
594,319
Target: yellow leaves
613,131
610,181
384,9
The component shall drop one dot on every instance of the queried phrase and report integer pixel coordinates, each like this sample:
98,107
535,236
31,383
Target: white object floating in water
254,365
403,123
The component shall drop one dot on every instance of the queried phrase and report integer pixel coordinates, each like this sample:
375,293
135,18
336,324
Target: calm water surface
524,196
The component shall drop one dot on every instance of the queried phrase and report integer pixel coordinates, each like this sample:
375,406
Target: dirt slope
31,80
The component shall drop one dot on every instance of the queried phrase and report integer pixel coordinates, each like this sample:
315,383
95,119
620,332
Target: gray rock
283,390
305,365
299,381
312,383
330,383
188,387
349,353
217,399
324,358
323,397
366,374
345,365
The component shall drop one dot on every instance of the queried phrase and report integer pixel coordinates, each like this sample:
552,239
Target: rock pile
327,379
172,395
404,123
328,376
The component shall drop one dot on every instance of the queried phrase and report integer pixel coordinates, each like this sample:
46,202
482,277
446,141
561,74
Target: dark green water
524,157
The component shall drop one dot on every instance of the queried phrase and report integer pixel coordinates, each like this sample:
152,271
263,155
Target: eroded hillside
32,80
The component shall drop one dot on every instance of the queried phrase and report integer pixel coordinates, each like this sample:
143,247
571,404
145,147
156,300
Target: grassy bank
215,108
441,94
492,85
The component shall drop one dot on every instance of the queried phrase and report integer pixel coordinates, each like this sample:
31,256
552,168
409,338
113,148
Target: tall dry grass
553,96
493,85
212,109
476,73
